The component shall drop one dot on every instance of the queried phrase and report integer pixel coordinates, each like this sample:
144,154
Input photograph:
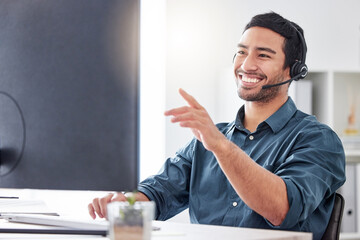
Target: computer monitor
69,89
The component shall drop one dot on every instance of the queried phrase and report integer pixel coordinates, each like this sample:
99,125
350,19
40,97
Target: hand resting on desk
99,205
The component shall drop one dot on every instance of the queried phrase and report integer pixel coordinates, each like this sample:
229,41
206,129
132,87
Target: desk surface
184,231
180,231
74,204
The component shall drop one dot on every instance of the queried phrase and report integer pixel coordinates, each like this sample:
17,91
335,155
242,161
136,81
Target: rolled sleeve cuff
150,196
295,207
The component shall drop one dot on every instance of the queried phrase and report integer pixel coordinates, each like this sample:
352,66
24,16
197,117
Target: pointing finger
189,99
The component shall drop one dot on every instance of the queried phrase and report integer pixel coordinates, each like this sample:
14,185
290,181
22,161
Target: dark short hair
292,48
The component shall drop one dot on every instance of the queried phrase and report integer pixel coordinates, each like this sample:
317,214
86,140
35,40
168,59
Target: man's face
259,61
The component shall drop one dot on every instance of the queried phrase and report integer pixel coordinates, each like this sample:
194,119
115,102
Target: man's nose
249,64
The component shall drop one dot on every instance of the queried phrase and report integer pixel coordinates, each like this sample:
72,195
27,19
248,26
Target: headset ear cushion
298,70
294,69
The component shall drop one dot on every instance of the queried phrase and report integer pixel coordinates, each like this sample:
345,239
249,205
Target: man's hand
198,120
99,205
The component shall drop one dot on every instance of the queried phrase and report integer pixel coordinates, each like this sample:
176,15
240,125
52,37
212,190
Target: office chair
332,231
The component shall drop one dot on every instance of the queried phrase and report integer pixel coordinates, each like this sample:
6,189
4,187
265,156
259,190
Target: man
273,167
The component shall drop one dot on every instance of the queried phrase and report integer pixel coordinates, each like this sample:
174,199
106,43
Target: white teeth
251,80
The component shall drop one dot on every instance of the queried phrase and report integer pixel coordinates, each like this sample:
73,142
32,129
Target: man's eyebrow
266,50
258,48
242,46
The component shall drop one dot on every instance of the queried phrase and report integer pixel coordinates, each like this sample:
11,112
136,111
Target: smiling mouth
250,78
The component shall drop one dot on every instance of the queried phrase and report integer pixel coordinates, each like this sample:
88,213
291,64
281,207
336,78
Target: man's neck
257,112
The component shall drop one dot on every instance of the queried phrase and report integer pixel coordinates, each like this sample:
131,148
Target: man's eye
264,56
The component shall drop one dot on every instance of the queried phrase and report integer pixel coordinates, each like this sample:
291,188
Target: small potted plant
130,220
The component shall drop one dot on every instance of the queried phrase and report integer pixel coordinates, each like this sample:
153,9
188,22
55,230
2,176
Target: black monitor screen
69,94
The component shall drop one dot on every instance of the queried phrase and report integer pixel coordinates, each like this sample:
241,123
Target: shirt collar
276,121
239,118
282,116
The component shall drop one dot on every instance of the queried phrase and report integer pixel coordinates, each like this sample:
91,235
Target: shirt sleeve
169,189
314,170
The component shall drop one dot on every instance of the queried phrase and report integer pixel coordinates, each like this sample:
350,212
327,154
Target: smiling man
260,61
272,167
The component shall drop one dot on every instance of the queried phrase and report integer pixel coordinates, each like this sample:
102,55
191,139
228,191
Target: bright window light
152,86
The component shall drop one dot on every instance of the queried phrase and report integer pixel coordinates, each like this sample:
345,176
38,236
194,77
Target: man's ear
287,73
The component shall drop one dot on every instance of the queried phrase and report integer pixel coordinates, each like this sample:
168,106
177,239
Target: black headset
299,70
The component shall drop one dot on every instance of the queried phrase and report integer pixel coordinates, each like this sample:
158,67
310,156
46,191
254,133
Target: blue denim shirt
306,154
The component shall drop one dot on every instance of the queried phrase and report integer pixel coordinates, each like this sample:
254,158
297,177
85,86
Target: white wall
201,38
200,46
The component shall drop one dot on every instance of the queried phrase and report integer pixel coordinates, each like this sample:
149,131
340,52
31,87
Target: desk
74,203
181,231
185,231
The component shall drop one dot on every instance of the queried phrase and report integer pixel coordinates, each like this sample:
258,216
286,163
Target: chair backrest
332,231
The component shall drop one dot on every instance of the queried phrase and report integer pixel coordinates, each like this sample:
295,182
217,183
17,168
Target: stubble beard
263,96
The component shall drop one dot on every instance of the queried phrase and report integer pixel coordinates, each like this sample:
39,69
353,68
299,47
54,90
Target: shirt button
234,204
251,137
